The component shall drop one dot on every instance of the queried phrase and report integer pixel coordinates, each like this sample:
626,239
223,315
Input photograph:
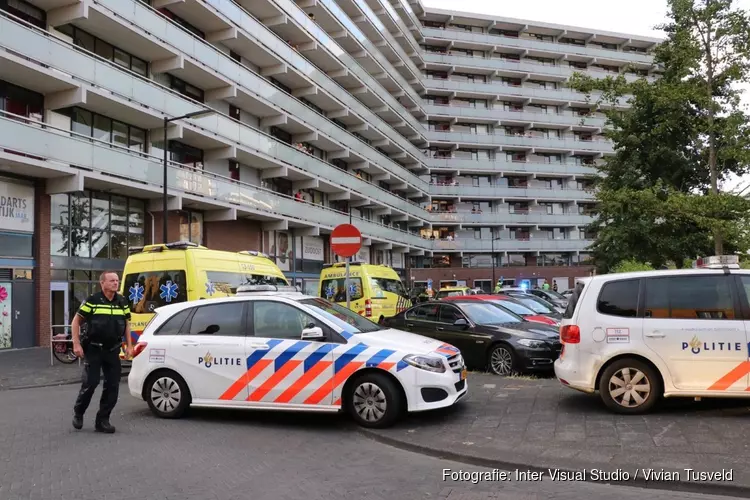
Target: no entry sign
346,240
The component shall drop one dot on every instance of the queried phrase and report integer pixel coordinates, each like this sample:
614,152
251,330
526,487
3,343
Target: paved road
229,455
539,422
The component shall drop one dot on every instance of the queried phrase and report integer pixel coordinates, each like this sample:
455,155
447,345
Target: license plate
463,374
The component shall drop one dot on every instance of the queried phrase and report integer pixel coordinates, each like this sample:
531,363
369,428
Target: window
181,22
234,55
335,291
488,314
345,318
689,297
185,88
20,101
423,313
234,112
159,289
449,314
173,326
279,320
619,298
105,129
226,319
25,11
105,50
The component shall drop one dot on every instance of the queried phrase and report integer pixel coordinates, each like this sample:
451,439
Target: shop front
17,316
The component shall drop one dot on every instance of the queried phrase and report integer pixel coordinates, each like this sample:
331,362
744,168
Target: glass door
59,310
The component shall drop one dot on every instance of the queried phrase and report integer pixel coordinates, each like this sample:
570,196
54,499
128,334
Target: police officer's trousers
98,359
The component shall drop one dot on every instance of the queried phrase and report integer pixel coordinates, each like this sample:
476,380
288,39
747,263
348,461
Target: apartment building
449,139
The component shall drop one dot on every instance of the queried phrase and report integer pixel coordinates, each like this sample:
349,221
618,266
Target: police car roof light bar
254,253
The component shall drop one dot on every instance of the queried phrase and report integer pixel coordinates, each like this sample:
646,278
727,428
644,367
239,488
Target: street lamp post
492,256
194,114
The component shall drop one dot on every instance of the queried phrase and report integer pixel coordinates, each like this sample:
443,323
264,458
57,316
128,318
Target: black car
487,336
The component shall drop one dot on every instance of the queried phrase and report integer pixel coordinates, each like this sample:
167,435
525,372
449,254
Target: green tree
628,266
681,134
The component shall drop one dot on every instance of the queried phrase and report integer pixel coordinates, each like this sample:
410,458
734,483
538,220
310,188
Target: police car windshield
343,317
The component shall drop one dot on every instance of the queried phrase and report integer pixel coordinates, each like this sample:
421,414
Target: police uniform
105,330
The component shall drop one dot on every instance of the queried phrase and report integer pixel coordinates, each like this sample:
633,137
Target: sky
638,17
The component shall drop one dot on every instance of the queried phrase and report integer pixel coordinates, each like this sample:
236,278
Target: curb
716,489
77,380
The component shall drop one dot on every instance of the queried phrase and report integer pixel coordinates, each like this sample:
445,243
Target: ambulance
375,292
163,274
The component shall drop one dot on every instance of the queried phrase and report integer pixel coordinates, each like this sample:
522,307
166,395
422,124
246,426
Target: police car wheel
167,394
630,386
374,401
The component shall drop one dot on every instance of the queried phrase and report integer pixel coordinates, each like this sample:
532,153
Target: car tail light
368,308
570,334
139,348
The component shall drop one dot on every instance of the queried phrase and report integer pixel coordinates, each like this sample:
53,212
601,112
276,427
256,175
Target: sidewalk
536,424
24,368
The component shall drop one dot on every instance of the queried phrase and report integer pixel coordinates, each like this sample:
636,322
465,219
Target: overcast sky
638,17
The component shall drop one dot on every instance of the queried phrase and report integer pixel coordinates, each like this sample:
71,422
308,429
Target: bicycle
63,348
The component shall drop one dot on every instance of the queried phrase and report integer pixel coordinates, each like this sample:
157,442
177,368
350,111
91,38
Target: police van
274,348
637,337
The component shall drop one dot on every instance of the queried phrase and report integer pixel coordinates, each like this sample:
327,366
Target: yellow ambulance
376,291
161,274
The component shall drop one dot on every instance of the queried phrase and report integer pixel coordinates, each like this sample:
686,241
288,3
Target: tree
629,266
675,142
712,42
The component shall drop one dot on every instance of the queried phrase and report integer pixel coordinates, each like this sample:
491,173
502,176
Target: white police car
271,349
636,337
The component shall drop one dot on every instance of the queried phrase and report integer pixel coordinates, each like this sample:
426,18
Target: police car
636,337
274,348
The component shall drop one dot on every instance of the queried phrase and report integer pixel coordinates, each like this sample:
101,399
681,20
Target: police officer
107,318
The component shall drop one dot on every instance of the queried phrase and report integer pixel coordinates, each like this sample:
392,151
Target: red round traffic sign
346,240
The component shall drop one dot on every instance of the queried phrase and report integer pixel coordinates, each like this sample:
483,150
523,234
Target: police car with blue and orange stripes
637,337
273,347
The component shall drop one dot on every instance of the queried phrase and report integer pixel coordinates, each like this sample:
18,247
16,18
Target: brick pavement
231,455
31,368
507,422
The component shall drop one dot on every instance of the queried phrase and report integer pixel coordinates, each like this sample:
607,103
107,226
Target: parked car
487,336
538,305
513,306
551,296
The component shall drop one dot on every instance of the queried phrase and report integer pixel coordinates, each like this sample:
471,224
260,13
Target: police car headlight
534,344
425,363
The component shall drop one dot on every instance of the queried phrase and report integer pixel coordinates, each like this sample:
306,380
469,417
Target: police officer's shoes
78,421
104,426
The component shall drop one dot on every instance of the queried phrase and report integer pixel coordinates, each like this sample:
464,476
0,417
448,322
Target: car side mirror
461,322
313,333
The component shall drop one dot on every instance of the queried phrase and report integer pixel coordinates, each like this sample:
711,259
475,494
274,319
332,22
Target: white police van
636,337
267,348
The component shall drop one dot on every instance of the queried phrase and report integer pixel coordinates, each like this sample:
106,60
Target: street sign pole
348,286
346,240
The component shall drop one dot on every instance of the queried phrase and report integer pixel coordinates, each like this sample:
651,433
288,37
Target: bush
629,266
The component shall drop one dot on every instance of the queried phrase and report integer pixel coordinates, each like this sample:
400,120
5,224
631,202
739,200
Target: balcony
266,49
550,144
500,91
487,166
509,245
71,160
505,217
492,192
115,92
554,49
506,67
498,113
